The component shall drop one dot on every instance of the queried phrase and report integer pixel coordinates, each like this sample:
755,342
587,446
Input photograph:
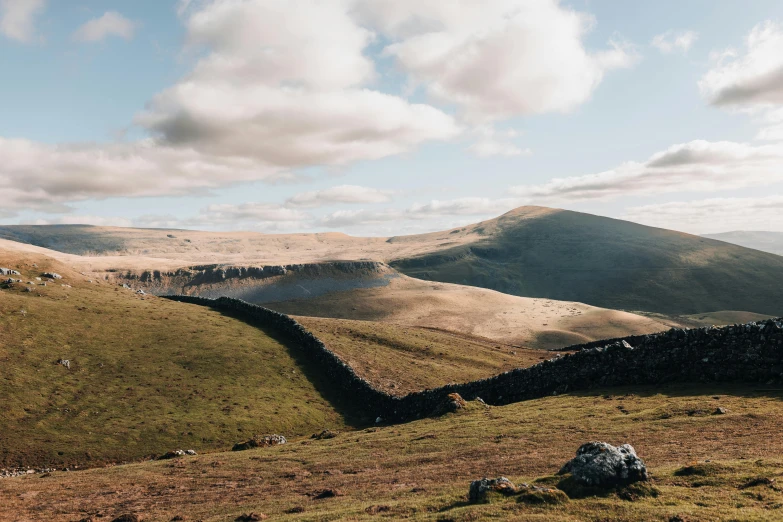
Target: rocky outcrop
259,442
484,490
260,284
750,353
8,272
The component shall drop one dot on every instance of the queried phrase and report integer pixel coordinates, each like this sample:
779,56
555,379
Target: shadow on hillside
349,408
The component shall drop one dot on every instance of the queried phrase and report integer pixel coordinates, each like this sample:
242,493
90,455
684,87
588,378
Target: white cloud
44,177
671,41
17,18
754,78
490,142
694,166
278,87
339,194
712,215
499,59
111,23
267,217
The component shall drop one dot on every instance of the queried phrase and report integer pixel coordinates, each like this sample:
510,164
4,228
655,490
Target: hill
145,375
477,312
531,251
771,242
605,262
704,466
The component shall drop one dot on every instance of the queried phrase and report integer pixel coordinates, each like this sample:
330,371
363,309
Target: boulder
603,465
8,272
259,442
52,275
172,455
486,490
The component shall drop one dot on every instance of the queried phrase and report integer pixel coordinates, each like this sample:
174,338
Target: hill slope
146,375
517,321
771,242
421,470
606,262
531,251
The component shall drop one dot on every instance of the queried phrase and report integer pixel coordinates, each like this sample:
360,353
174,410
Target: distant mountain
529,252
765,241
605,262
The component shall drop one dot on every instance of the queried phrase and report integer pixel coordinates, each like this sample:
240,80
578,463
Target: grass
147,375
421,470
401,359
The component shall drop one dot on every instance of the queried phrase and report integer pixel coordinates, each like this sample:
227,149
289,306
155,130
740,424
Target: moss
546,496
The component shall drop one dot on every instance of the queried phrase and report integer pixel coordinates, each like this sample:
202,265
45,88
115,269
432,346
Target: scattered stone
64,362
325,434
172,236
52,275
8,272
601,464
486,490
191,452
128,517
126,286
141,291
28,289
327,493
378,420
172,455
259,442
720,411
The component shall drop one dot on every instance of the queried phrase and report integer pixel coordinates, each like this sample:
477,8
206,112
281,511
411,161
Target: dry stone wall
751,352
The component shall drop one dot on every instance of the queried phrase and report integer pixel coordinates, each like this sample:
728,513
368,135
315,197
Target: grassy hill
421,470
771,242
401,359
606,262
146,375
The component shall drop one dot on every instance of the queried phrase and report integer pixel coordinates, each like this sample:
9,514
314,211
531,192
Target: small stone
259,442
720,411
483,490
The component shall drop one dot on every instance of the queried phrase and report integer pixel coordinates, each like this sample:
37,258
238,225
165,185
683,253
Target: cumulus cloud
694,166
712,215
44,177
111,23
276,86
499,59
751,78
17,18
672,41
339,194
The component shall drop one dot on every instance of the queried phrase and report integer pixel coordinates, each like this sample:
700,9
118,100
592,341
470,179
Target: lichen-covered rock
601,464
259,442
52,275
485,490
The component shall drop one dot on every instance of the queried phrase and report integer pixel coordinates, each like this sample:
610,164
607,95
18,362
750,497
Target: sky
386,117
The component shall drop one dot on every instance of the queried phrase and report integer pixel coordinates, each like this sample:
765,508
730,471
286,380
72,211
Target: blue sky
299,116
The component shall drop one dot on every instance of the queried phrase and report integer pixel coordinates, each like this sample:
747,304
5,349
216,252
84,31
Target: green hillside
607,262
146,375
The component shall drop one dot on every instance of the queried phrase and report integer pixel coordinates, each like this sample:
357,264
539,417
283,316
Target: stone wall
751,353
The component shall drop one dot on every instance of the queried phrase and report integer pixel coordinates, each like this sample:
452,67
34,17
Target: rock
325,434
485,490
601,464
378,420
720,411
141,292
126,286
191,452
28,289
52,275
172,455
64,362
8,272
455,402
128,517
259,442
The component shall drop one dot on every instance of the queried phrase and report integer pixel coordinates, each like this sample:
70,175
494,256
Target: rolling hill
144,376
771,242
531,251
606,262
